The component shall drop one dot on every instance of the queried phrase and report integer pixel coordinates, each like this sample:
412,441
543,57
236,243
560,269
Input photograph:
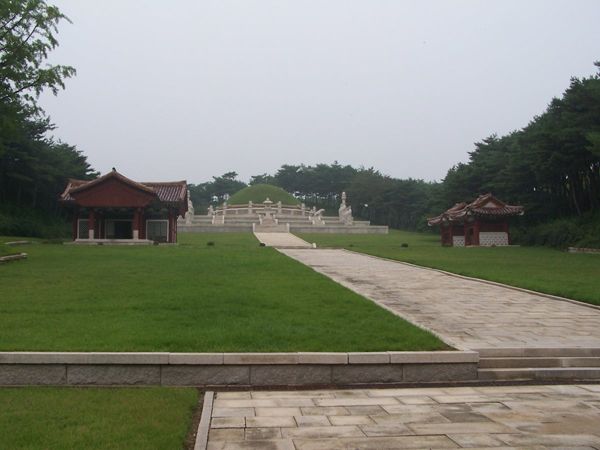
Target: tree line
33,166
551,166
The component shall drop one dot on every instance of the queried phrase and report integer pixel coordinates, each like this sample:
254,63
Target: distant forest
551,166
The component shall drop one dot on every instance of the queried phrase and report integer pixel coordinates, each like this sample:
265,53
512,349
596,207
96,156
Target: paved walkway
282,240
532,417
466,314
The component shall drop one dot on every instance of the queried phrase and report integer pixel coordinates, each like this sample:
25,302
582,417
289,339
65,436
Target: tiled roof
167,192
173,191
483,206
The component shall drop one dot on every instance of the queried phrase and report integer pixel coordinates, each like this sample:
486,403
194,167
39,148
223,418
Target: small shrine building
483,222
113,208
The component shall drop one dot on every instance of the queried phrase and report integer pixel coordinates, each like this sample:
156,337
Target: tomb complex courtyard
373,352
295,329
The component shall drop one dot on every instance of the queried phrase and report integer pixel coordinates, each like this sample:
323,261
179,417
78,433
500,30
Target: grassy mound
258,193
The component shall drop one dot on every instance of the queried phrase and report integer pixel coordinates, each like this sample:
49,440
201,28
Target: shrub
211,243
581,231
15,222
404,245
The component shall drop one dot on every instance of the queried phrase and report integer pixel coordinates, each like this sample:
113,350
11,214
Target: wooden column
142,224
91,223
75,222
476,233
136,223
505,227
172,225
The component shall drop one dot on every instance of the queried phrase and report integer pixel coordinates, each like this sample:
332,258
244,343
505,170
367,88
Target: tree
263,178
33,167
28,31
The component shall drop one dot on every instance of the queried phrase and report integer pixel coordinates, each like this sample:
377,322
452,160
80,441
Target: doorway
119,229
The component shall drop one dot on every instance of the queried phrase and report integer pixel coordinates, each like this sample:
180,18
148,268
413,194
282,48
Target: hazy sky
169,90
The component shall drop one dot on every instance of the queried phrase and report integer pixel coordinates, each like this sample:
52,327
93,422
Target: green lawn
95,418
234,296
575,276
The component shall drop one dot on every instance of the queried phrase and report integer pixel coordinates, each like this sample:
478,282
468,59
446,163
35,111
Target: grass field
95,418
231,297
575,276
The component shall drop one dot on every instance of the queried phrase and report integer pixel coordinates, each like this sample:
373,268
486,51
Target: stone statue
345,212
317,216
189,215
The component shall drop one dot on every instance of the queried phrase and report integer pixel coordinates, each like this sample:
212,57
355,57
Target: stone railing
251,208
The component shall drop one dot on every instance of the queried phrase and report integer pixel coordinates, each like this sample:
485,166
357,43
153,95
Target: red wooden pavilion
482,222
113,208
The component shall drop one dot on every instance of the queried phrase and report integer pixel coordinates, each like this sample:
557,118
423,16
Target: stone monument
189,215
345,212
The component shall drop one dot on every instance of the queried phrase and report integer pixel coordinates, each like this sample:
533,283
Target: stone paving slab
495,417
467,314
282,240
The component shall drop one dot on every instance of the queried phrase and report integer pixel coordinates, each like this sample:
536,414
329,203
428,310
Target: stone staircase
539,364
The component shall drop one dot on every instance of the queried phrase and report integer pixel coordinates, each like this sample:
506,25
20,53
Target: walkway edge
481,280
204,425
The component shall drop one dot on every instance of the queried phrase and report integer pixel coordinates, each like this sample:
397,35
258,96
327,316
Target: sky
190,89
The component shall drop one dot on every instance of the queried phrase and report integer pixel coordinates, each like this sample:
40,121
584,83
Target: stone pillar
303,208
91,223
250,207
279,207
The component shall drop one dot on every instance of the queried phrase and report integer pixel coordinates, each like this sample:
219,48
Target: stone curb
214,359
15,257
480,280
204,425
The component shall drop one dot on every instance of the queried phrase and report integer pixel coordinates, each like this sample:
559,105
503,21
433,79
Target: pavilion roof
483,206
166,192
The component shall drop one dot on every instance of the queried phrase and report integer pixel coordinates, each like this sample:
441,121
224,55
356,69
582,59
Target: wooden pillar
75,222
505,226
91,223
476,233
142,228
175,215
136,223
170,222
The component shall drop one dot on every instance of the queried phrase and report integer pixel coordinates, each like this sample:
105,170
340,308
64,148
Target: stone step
540,352
540,374
538,362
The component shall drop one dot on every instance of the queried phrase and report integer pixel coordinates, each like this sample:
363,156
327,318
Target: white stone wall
458,241
489,238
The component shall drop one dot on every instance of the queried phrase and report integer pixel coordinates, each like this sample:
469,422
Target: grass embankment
92,418
258,193
575,276
231,297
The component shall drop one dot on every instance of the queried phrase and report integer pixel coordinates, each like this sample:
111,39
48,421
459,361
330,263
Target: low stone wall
294,228
583,250
236,369
214,228
340,229
16,257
